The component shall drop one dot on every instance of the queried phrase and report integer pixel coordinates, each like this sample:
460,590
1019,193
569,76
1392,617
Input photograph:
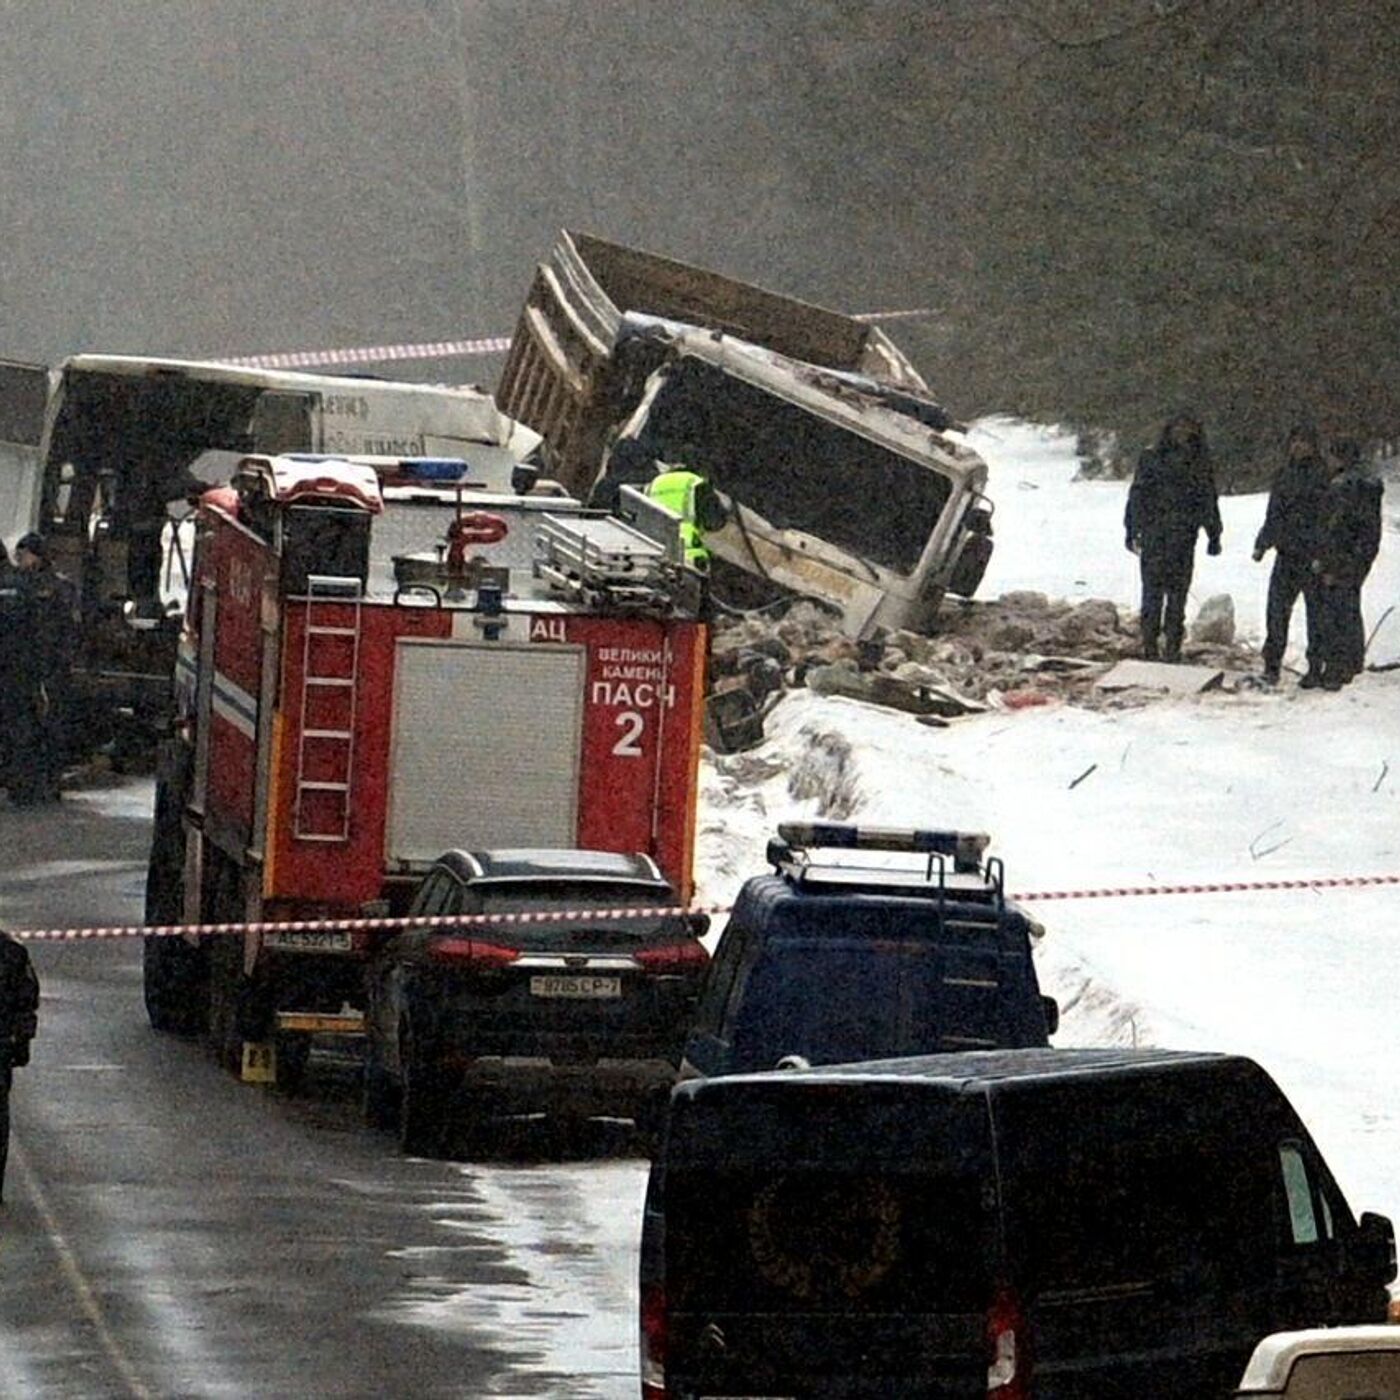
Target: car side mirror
699,924
1051,1007
1374,1247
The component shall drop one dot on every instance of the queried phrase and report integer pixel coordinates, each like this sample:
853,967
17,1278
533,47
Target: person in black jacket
19,1019
1171,500
12,659
1349,540
1290,529
39,720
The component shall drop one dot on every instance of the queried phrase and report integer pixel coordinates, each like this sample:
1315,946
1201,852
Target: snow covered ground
1254,786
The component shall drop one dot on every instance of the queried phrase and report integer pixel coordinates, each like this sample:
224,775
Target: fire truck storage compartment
486,747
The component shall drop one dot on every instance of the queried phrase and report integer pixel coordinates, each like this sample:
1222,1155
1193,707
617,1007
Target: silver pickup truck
1326,1363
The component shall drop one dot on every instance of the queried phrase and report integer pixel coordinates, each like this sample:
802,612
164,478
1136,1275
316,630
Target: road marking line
78,1282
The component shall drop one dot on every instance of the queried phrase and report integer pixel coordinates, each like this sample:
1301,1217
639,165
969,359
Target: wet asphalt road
170,1232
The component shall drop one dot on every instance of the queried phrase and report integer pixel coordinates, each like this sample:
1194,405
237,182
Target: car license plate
577,987
310,940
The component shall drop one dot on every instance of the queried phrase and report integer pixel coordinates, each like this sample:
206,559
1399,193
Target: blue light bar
961,845
432,468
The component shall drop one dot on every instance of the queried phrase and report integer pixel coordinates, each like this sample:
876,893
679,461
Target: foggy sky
198,177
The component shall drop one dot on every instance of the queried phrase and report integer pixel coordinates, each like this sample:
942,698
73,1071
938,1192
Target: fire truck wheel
379,1096
175,985
225,974
165,870
423,1110
293,1055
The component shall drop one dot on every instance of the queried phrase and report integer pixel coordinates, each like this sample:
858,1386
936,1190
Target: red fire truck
381,663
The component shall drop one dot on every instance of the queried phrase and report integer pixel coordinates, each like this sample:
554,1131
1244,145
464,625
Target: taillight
1008,1349
654,1343
673,957
471,952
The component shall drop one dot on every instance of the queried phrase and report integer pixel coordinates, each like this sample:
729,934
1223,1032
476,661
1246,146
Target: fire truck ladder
330,666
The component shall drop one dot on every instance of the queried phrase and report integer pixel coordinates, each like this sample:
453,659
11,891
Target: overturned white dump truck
847,482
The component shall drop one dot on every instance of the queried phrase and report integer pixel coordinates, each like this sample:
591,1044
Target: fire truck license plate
585,988
310,940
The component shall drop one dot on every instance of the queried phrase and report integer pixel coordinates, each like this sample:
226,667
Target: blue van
869,943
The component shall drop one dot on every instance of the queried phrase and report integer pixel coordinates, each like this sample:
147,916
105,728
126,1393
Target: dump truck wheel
293,1056
225,1040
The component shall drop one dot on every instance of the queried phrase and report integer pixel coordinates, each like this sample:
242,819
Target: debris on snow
826,774
1161,676
1215,622
1020,650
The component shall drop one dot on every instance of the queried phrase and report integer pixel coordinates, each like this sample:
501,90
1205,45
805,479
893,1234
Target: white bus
101,454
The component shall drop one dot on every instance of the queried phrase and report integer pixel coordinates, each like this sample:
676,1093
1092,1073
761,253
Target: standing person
49,615
11,658
1290,529
1349,540
19,1018
1171,500
696,502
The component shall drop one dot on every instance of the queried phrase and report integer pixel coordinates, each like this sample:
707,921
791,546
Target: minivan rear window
1106,1188
830,1200
834,1001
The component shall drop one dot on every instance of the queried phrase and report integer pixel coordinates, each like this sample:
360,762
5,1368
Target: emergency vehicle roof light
965,847
449,469
293,478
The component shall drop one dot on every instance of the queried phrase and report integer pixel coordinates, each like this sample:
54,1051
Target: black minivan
868,943
1050,1223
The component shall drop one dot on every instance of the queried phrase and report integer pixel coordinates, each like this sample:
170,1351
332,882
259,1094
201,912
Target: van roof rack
793,854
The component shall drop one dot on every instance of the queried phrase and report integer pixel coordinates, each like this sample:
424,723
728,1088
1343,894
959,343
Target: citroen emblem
712,1339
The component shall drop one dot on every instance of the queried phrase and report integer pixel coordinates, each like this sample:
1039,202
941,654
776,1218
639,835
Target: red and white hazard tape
450,349
366,925
913,313
373,354
1238,887
393,925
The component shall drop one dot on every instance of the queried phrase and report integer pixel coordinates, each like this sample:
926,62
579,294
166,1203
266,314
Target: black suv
868,943
1068,1225
581,1016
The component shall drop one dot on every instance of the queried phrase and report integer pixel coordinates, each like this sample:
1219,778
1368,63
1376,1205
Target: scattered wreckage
1014,652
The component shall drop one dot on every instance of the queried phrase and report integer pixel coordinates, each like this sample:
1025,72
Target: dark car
869,943
582,1016
1060,1224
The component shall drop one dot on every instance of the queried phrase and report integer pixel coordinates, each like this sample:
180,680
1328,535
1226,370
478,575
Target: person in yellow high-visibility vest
696,502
